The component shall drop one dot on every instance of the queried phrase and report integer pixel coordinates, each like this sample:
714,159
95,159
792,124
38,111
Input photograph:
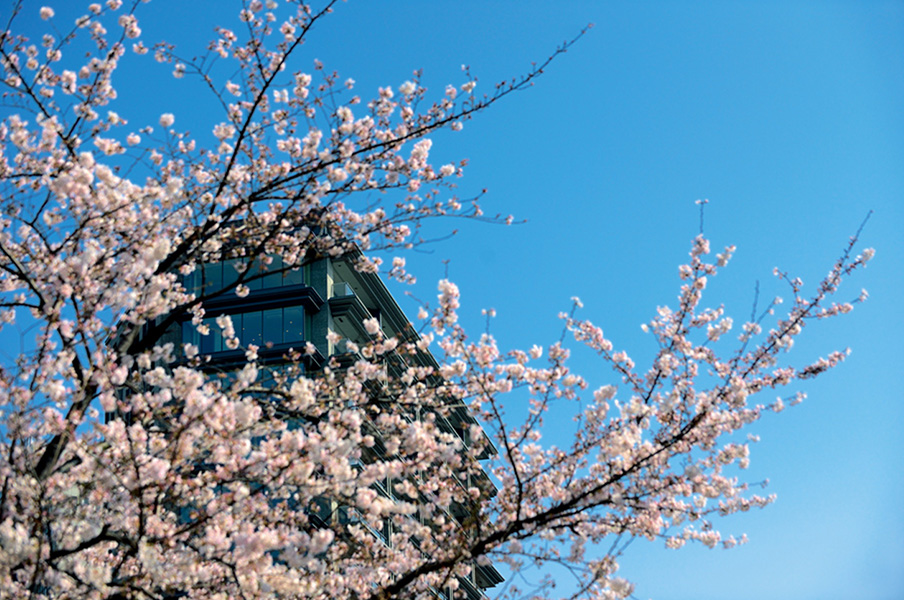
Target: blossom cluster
132,467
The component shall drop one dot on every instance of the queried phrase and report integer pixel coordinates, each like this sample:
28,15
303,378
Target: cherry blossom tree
128,470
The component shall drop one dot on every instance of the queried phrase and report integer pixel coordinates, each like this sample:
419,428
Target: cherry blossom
133,467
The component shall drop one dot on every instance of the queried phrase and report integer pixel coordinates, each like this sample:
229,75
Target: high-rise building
298,309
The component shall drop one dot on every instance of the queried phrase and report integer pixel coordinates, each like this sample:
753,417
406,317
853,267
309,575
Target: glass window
230,275
251,328
254,281
271,279
189,333
276,325
191,282
272,326
213,277
238,324
293,324
218,275
293,276
212,342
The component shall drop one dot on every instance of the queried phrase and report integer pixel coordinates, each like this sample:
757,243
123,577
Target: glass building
293,309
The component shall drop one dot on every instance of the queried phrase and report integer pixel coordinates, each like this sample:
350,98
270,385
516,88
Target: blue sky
786,115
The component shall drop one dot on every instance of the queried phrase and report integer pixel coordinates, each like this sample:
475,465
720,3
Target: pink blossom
288,30
156,470
138,455
372,326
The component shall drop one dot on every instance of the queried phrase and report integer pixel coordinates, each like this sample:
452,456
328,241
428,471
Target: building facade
298,310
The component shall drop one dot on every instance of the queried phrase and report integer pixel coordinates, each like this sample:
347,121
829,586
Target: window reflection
213,277
276,325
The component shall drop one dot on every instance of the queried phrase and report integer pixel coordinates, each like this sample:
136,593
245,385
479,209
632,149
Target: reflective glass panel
272,324
251,328
293,323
